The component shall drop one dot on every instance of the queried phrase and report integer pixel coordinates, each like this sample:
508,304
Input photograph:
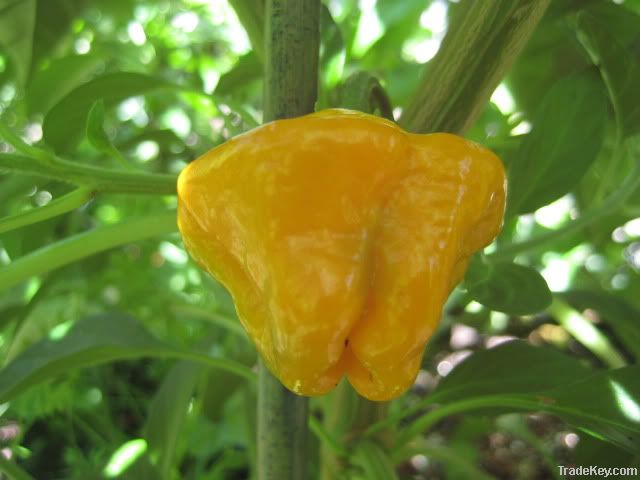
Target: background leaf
99,339
65,122
567,135
605,404
167,413
618,64
17,20
512,288
97,135
513,368
52,82
616,312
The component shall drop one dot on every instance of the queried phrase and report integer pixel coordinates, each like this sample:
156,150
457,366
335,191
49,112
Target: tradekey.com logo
593,471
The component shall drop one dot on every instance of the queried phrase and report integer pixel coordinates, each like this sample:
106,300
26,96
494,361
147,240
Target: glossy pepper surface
340,237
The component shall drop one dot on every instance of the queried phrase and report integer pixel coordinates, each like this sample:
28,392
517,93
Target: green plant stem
83,245
94,178
59,206
12,470
481,45
292,39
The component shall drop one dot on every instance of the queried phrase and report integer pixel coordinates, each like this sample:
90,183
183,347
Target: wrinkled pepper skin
340,237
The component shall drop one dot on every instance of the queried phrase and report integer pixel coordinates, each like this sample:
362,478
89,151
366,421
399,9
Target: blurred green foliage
144,87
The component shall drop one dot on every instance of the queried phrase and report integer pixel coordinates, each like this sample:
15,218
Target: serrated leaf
65,122
619,68
512,288
567,134
17,22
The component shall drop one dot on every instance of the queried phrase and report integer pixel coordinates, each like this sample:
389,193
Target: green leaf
93,341
251,15
514,377
95,128
615,311
97,135
618,66
17,21
167,414
478,271
511,288
57,79
13,471
246,70
567,135
606,404
372,462
514,367
65,122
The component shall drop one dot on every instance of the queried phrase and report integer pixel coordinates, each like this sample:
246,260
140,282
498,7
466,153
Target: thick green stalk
83,245
292,35
481,45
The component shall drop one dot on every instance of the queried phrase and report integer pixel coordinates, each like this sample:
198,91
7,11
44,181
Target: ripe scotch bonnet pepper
340,237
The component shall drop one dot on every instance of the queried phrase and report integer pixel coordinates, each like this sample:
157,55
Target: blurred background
149,85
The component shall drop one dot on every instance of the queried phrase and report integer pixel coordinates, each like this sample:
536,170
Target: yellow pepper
340,237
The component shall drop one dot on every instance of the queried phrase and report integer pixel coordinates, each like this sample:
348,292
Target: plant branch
480,47
95,178
59,206
83,245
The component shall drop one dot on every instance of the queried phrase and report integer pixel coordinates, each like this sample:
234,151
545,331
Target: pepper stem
292,39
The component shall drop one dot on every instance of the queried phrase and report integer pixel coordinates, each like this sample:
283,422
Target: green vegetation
122,359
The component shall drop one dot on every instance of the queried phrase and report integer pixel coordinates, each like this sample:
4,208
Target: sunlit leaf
623,317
